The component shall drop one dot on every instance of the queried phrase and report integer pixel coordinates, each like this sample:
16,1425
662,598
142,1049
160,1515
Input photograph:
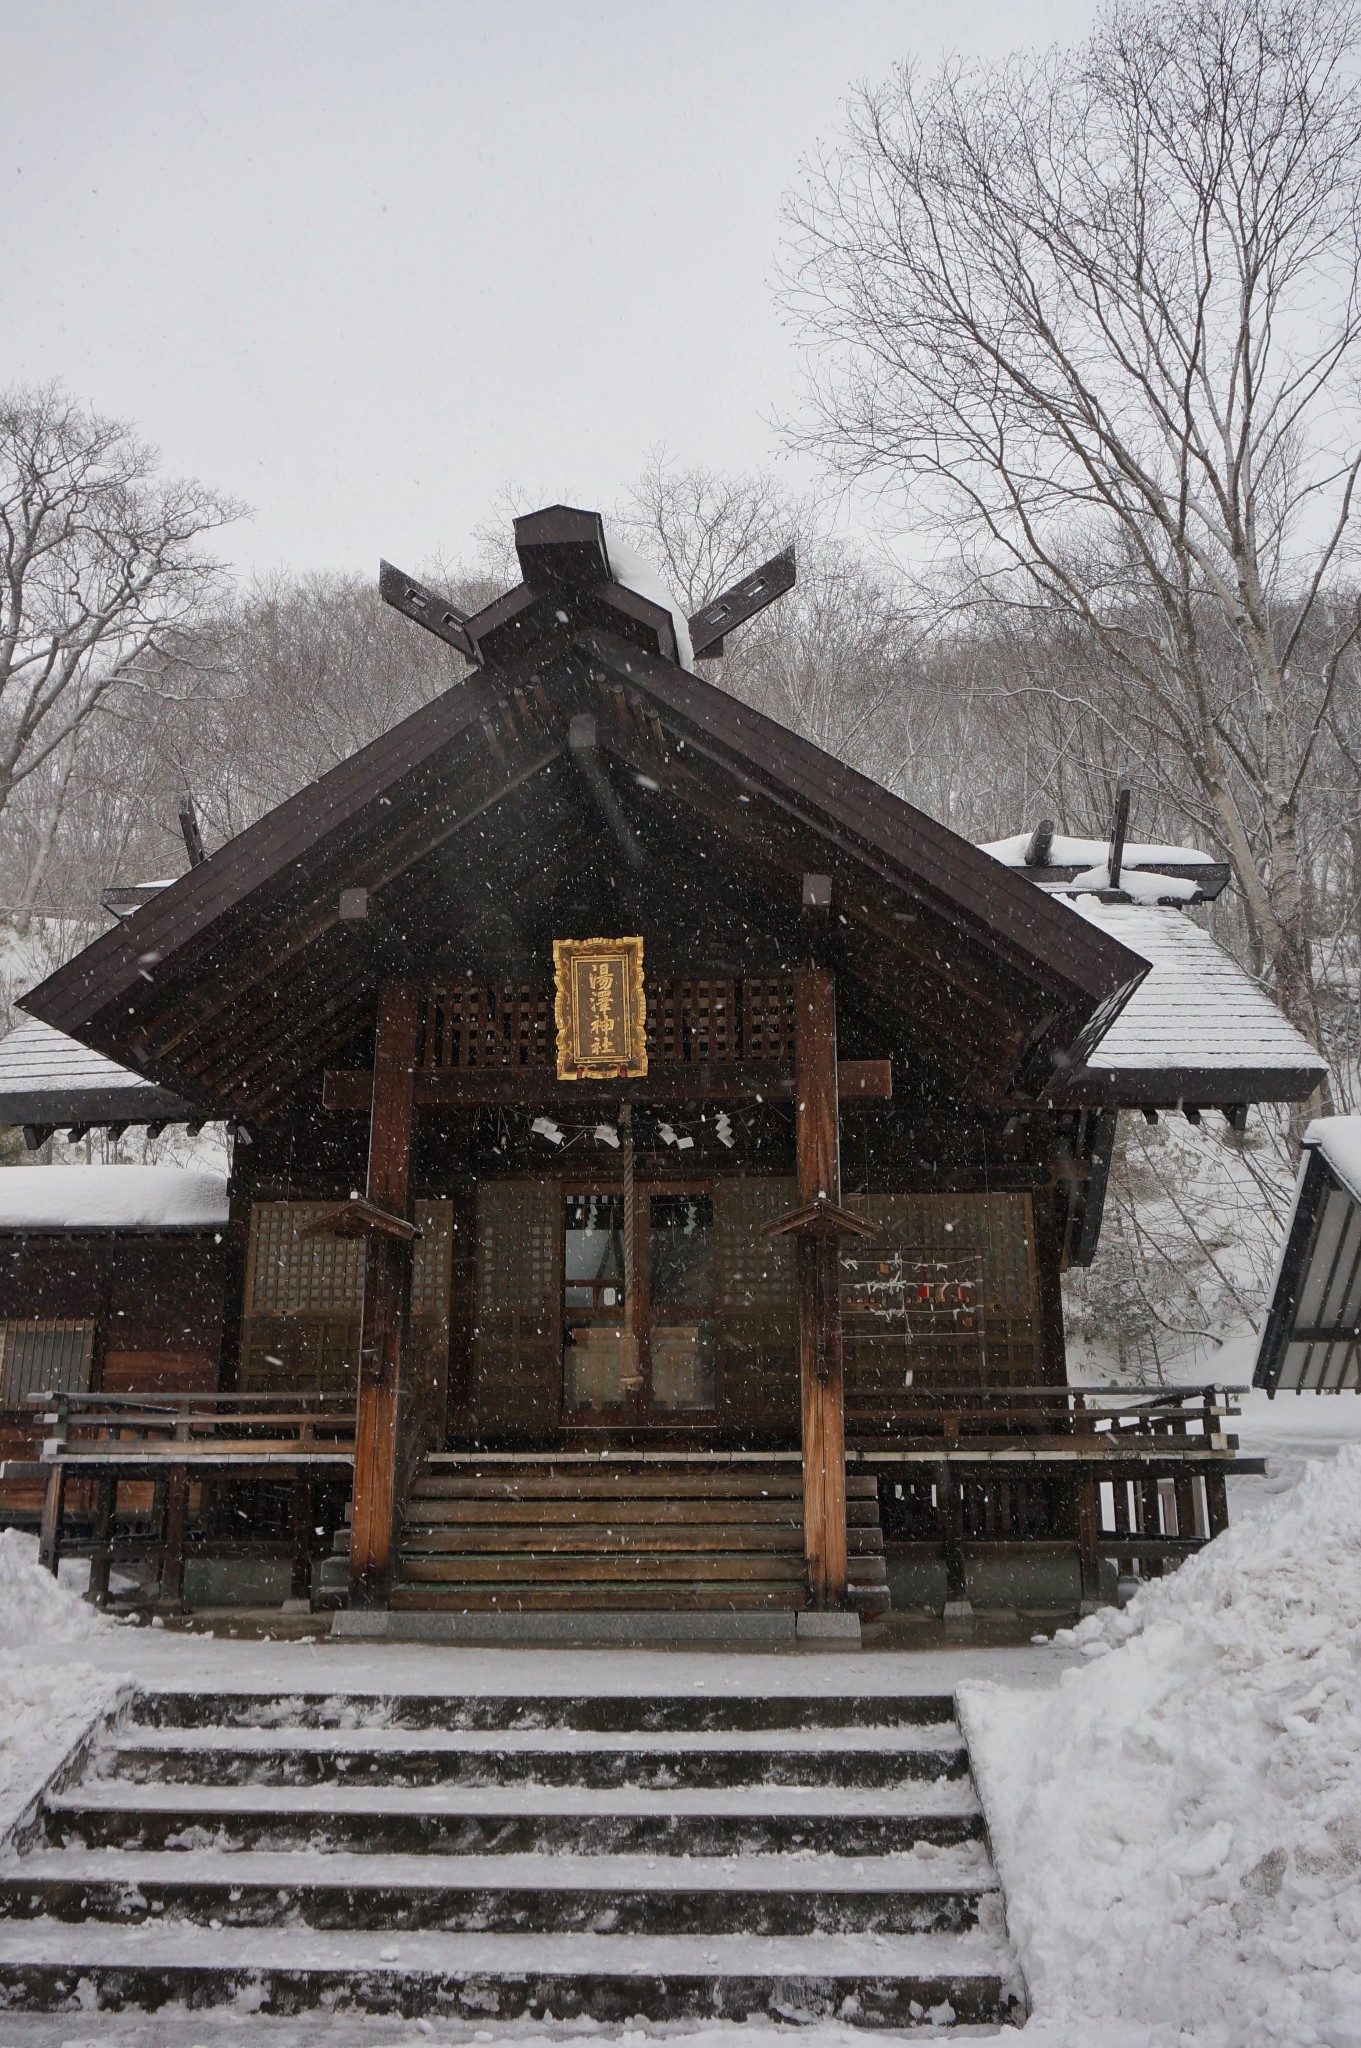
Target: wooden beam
387,1300
539,1087
358,1218
821,1377
1087,1512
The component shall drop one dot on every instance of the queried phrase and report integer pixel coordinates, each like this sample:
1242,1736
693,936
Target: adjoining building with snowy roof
614,1073
51,1082
1311,1337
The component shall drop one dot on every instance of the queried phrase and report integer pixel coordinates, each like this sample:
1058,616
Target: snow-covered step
573,1820
557,1757
898,1979
767,1895
599,1857
940,1738
628,1713
963,1866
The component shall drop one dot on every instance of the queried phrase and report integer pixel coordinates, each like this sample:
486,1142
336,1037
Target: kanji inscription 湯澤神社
601,1008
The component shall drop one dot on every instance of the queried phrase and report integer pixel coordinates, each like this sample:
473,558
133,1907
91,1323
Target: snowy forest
1081,342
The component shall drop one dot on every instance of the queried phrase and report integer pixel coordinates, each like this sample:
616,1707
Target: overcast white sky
364,264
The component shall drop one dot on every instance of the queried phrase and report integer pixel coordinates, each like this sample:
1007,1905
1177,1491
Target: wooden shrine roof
586,752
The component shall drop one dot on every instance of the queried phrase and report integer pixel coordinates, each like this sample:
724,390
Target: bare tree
1099,313
702,528
99,566
836,659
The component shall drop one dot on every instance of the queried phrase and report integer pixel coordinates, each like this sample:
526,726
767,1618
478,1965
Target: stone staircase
621,1858
506,1533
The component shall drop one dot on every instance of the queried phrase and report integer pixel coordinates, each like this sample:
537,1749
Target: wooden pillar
1089,1536
817,1131
387,1300
1216,1502
171,1593
300,1586
950,1494
49,1535
106,1498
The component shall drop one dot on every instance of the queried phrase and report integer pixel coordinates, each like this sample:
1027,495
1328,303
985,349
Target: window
44,1358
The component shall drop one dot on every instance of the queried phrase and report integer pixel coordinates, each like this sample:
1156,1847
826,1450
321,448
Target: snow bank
33,1605
1178,1827
45,1708
111,1198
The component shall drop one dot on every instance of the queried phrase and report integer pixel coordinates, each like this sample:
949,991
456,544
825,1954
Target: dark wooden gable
584,782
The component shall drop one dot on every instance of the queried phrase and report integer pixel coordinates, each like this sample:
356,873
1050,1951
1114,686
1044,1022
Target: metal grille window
44,1358
432,1259
754,1272
517,1247
305,1297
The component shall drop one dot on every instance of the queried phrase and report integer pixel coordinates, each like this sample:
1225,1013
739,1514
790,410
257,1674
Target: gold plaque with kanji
601,1009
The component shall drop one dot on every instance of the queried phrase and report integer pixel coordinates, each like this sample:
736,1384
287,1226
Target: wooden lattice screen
44,1356
305,1297
691,1021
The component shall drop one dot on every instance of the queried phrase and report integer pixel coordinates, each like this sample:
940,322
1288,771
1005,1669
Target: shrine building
657,1148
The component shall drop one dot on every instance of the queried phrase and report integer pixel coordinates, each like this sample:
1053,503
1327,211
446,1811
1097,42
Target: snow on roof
111,1198
1082,853
1338,1138
631,569
1196,1009
35,1059
1137,883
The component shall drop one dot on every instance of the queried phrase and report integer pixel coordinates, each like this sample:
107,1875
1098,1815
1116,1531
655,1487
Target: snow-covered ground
1174,1791
1178,1827
49,1694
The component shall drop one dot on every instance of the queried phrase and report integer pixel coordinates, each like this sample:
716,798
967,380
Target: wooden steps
632,1861
535,1533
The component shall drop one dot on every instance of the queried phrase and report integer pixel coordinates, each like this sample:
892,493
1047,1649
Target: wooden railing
171,1428
176,1440
1089,1422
